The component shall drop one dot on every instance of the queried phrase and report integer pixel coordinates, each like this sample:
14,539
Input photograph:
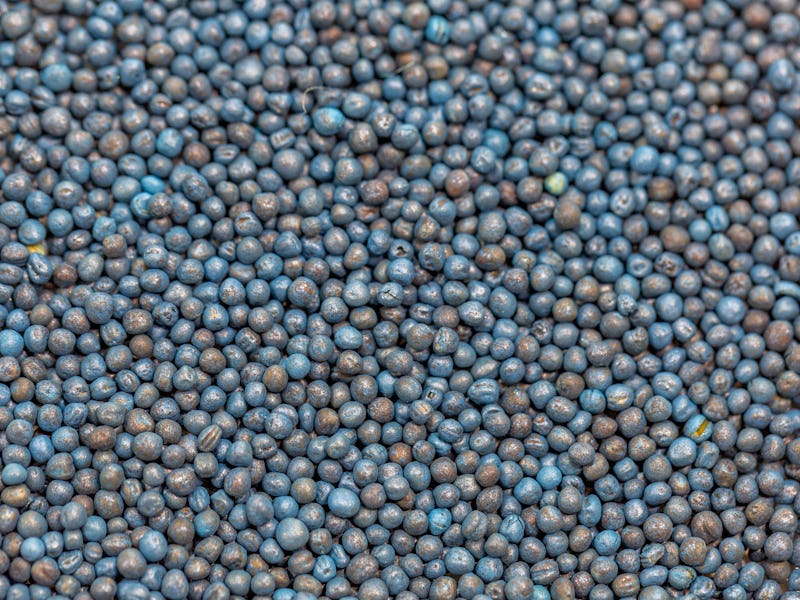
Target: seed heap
371,299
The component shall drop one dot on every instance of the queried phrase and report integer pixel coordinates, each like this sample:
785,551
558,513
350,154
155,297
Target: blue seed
328,121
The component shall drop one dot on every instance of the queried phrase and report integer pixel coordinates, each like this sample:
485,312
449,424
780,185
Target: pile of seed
373,299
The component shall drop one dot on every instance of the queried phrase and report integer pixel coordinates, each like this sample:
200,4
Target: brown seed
209,438
308,584
755,321
490,258
400,453
170,431
437,67
381,410
9,369
416,15
196,154
657,528
108,504
141,346
707,526
237,483
374,192
456,184
15,496
759,511
160,54
197,568
675,238
181,531
757,15
778,335
361,567
373,496
567,214
276,379
209,548
303,490
19,570
101,438
182,482
443,588
693,551
778,571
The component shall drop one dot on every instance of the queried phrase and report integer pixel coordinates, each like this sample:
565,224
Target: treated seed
384,300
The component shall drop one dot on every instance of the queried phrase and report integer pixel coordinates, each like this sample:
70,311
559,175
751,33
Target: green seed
556,183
